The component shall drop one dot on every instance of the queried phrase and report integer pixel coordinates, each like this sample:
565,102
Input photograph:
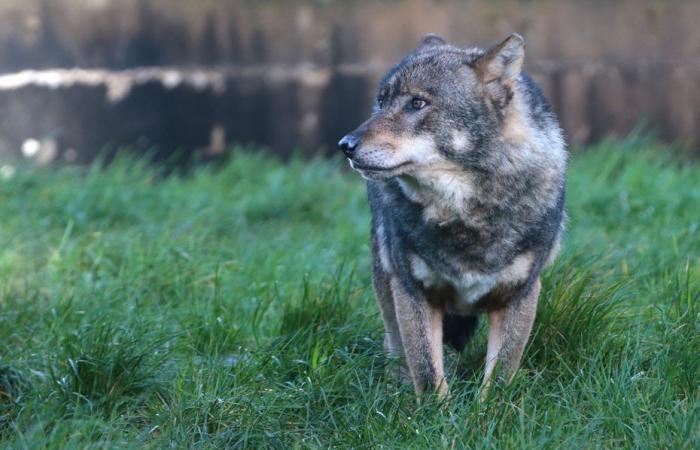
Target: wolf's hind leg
457,330
509,331
420,324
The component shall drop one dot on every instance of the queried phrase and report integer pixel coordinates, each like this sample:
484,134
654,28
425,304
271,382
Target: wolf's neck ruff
443,194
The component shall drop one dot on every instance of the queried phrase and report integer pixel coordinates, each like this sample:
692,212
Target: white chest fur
471,285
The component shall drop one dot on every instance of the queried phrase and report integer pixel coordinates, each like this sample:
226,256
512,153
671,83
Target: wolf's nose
348,144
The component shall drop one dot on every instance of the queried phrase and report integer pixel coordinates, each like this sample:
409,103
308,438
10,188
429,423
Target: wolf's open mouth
357,166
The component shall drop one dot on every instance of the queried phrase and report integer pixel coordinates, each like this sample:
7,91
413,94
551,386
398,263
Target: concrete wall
298,74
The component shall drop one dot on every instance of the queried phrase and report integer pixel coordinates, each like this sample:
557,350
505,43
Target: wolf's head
438,109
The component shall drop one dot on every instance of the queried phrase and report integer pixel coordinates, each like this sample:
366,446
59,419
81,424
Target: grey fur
465,164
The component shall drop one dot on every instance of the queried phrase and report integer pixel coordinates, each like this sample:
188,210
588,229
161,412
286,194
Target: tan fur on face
381,140
406,154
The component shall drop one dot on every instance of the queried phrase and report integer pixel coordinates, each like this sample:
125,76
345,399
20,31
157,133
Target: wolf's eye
418,103
380,102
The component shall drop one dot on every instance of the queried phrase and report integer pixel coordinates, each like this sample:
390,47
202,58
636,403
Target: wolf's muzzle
348,144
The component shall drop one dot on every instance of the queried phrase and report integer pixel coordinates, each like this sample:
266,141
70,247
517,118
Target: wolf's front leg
509,331
382,289
420,324
392,335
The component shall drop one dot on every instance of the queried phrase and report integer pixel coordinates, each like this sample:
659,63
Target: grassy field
233,308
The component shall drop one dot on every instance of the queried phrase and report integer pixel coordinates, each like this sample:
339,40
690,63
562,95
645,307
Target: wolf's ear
429,40
503,62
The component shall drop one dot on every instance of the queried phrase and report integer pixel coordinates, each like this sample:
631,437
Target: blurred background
80,77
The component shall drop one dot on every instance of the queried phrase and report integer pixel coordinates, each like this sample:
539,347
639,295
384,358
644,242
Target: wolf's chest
470,285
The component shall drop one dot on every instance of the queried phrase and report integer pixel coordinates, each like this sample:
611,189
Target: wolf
465,165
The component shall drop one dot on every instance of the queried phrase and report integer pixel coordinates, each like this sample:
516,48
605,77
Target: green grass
233,308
